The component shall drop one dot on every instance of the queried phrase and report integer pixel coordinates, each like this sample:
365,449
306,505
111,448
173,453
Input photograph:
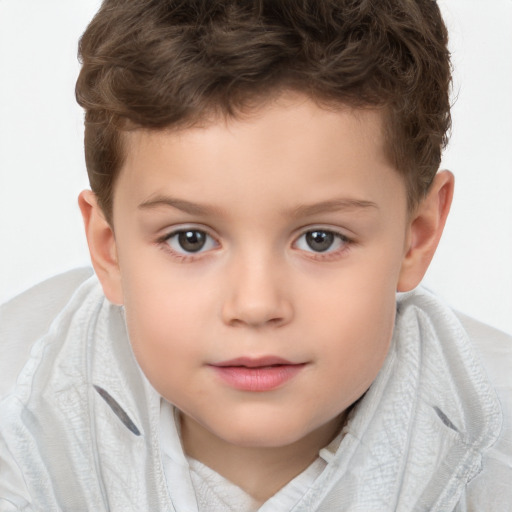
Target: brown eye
190,241
319,241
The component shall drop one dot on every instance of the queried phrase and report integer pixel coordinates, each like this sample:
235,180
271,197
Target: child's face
259,260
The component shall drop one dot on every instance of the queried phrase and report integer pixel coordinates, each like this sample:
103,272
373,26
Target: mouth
257,374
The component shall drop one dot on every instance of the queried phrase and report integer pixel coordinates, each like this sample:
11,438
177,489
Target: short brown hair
162,63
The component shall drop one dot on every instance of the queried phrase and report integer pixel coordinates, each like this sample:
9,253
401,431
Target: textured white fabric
80,430
213,492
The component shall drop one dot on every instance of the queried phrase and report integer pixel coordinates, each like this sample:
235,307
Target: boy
264,180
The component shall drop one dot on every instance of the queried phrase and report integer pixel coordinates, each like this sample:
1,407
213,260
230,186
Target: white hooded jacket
79,427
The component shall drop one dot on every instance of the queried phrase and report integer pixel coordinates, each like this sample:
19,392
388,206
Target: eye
321,240
187,241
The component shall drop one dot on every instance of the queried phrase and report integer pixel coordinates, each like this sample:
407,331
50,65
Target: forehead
284,150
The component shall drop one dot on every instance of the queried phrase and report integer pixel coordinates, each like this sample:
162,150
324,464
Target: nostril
270,315
256,321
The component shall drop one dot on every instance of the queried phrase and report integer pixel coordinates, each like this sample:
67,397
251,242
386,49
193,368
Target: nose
257,295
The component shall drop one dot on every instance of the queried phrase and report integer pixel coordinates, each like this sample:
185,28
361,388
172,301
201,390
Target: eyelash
327,255
163,242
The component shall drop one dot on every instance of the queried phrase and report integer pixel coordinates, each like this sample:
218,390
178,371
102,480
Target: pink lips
259,374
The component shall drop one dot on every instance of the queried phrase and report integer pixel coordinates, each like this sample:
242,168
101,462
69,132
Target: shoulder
27,317
491,489
78,397
494,348
480,361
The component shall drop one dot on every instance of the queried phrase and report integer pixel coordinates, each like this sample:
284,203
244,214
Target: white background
42,169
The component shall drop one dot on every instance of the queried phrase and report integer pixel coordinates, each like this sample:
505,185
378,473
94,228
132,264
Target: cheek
359,330
357,321
163,322
162,300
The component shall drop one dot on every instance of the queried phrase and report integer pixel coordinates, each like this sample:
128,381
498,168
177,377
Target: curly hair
160,63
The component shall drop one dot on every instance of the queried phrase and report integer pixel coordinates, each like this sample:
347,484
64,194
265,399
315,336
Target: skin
256,186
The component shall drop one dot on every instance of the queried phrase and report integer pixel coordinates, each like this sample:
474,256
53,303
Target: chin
267,440
267,435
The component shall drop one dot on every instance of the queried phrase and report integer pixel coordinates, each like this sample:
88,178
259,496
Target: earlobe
102,246
425,230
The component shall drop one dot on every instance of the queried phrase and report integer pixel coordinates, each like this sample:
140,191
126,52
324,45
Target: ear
425,230
102,246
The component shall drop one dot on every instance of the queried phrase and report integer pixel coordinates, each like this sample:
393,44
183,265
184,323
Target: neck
259,471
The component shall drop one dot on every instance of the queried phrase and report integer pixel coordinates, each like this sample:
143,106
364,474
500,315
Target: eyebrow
181,204
300,211
332,206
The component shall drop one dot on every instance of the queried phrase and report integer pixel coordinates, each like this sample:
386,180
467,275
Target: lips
257,374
